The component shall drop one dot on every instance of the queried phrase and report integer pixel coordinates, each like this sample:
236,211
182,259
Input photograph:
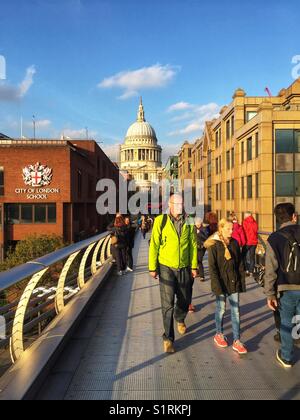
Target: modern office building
249,157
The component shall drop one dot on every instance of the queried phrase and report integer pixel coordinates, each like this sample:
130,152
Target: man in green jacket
173,257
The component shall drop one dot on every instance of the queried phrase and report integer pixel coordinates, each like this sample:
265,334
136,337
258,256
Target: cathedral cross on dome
141,113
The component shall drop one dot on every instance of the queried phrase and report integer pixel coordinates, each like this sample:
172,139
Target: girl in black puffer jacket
227,280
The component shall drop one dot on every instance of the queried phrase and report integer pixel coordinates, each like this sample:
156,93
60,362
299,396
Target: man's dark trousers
179,284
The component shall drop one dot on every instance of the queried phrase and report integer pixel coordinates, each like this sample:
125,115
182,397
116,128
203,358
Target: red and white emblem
37,175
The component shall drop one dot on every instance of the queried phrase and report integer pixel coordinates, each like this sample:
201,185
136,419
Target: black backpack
290,262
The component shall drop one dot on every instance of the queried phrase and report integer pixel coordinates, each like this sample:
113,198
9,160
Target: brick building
49,187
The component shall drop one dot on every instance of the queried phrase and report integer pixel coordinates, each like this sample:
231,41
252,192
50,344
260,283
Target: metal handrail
20,320
22,272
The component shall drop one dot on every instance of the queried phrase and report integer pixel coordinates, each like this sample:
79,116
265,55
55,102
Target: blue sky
83,63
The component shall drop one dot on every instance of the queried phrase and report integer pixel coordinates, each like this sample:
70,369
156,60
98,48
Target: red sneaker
239,348
221,341
192,309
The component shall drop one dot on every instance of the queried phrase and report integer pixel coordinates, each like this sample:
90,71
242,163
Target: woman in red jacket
238,231
251,231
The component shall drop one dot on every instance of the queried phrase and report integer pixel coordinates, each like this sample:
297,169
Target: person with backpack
144,226
227,274
202,234
173,257
118,231
282,278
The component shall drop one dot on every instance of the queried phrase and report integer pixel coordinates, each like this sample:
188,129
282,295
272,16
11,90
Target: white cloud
180,106
169,150
26,84
189,129
195,118
131,82
112,151
11,93
38,123
78,134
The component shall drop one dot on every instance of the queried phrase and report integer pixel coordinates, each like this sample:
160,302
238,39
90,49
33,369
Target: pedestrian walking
282,279
173,257
227,282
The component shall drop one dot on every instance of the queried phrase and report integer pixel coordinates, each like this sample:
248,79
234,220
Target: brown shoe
168,347
181,328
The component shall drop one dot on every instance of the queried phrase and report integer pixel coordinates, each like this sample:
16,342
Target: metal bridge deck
116,353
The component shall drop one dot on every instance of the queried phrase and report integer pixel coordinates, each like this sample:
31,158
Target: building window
1,181
249,187
40,214
26,213
220,164
228,187
217,166
232,126
250,115
189,153
243,187
232,158
249,148
285,141
285,184
228,130
256,145
242,152
257,177
287,163
30,213
232,190
13,214
228,160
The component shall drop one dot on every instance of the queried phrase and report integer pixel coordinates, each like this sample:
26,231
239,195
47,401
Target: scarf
228,256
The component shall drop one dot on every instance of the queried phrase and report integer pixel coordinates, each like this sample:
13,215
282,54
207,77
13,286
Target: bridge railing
33,294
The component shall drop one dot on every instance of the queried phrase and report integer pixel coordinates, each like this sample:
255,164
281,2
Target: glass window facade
287,148
30,213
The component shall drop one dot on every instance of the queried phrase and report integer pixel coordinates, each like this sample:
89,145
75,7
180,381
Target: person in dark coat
202,234
227,274
212,220
130,236
118,231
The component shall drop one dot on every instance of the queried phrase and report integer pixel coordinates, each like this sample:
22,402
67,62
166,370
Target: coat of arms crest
37,175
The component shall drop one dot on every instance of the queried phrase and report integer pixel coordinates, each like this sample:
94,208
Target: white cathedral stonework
140,155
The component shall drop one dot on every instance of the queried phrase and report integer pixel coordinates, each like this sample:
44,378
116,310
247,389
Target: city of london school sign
37,178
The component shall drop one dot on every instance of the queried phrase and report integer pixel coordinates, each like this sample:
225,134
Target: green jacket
168,249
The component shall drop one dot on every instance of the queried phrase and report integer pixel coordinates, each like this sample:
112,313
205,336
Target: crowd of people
178,246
